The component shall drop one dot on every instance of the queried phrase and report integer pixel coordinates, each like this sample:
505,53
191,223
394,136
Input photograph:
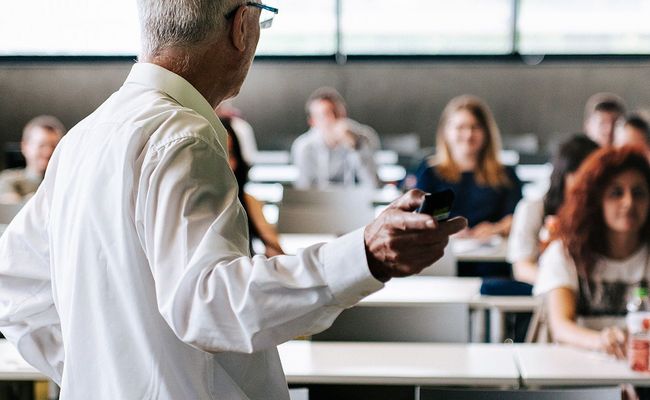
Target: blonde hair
489,171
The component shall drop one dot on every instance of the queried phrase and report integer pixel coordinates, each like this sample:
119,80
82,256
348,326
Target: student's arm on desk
485,230
28,317
525,271
562,319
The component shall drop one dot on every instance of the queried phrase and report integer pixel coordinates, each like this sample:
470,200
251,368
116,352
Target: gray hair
179,23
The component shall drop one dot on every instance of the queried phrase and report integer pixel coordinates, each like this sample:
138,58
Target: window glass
584,27
69,27
426,27
302,27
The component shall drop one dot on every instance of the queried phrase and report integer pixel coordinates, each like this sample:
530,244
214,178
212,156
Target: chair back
335,211
8,212
446,266
447,323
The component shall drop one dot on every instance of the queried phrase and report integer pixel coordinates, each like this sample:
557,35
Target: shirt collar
178,88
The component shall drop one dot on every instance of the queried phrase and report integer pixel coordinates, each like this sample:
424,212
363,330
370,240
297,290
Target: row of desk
421,291
422,364
435,364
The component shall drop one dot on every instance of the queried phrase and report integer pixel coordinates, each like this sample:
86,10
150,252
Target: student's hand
401,243
484,230
341,134
614,341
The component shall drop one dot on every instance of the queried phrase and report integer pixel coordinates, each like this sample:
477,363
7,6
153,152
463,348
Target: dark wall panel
392,96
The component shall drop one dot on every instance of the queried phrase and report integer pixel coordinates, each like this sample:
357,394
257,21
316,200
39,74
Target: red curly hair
582,227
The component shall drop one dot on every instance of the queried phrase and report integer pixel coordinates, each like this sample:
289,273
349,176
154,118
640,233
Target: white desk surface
491,250
463,249
288,173
556,365
425,290
534,172
271,193
398,363
13,367
284,157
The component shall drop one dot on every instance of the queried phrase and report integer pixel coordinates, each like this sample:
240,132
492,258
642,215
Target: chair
601,393
8,212
446,266
325,211
447,323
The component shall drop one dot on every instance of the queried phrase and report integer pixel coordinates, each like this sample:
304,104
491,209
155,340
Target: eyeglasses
266,15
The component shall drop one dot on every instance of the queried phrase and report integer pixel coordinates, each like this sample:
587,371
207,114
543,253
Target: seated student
603,251
602,111
335,150
241,127
633,130
40,137
467,161
258,226
534,219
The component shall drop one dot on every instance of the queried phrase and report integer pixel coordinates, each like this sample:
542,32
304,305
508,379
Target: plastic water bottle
638,328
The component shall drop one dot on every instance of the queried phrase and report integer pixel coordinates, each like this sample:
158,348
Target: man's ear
239,29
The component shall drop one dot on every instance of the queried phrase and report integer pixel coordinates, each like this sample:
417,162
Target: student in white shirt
535,219
602,253
40,136
336,150
128,275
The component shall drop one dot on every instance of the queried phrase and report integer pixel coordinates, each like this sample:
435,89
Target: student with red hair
602,252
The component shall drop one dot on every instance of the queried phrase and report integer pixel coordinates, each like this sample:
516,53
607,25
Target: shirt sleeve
523,241
209,291
28,317
556,269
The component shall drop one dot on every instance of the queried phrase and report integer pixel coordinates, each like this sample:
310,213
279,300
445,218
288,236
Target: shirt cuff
346,269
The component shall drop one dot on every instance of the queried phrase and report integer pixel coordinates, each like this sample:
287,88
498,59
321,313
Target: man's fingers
453,225
402,220
409,201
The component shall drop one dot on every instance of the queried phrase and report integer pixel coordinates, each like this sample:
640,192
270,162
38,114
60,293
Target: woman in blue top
467,161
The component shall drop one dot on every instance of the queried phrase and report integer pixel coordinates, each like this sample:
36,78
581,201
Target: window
365,27
584,27
69,27
302,27
426,27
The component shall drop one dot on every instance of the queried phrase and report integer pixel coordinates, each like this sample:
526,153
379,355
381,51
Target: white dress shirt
127,275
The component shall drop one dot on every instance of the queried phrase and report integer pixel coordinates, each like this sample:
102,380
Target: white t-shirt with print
557,269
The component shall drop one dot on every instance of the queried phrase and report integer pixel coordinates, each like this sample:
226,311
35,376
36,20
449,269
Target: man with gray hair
40,136
128,276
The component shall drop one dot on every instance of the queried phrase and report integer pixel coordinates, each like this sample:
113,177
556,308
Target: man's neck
207,74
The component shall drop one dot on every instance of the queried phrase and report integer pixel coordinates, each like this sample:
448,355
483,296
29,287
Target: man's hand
340,134
401,243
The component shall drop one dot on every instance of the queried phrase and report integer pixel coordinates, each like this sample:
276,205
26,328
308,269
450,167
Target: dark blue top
475,202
